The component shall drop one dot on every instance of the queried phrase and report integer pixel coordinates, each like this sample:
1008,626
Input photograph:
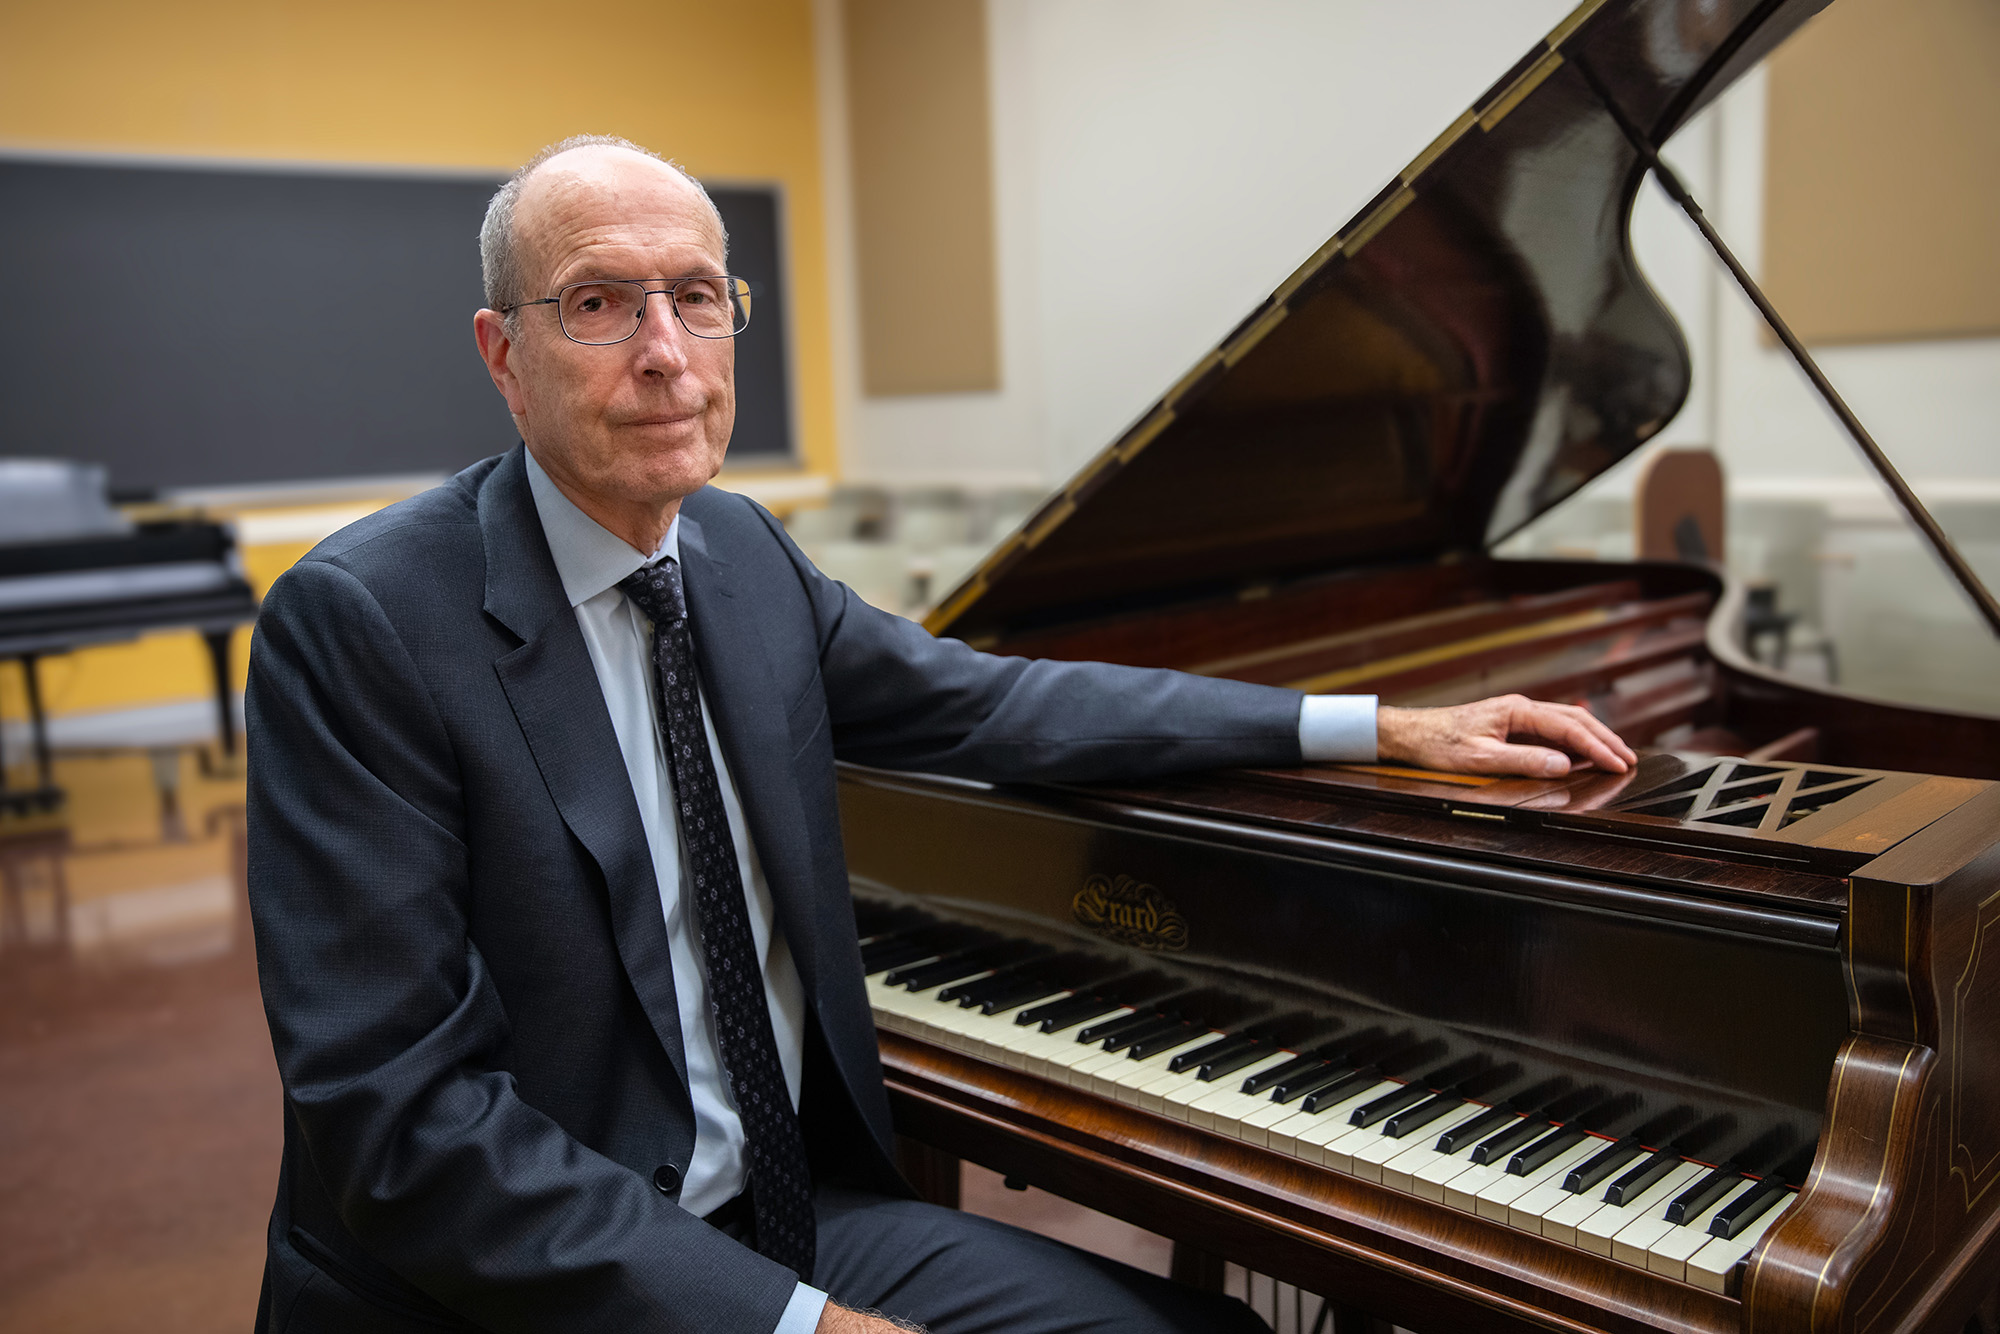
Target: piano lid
1468,351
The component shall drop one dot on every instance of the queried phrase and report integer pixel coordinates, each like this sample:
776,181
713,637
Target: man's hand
838,1319
1499,736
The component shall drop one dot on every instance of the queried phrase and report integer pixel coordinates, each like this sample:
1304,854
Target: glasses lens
713,307
601,312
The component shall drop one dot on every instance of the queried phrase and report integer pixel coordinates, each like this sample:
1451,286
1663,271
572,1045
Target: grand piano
1709,1046
75,571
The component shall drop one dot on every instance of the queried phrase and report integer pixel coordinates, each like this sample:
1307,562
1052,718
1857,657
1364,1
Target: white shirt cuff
1337,729
802,1311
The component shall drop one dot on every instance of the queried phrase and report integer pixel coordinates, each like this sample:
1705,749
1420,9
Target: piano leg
38,725
1196,1268
933,1172
1352,1320
225,713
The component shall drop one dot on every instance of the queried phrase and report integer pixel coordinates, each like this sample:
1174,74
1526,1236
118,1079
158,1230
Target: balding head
625,428
508,259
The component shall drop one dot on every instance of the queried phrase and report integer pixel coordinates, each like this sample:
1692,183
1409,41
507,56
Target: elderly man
551,914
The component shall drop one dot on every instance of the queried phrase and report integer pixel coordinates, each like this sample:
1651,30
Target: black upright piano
1710,1046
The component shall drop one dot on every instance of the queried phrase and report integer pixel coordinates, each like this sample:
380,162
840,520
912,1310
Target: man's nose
661,342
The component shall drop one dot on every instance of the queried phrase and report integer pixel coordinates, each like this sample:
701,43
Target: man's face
640,423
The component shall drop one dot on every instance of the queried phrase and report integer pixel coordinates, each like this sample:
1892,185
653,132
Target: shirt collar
588,558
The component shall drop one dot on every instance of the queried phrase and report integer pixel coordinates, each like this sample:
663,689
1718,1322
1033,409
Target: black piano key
1340,1089
1368,1113
1056,1015
1748,1207
894,953
1156,1043
1022,990
1641,1178
1468,1133
1690,1202
1421,1115
1495,1148
1310,1081
924,976
922,943
1226,1045
1278,1074
1560,1140
1215,1068
1004,975
1111,1028
1601,1165
1159,1025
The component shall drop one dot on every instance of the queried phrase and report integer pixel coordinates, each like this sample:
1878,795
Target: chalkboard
202,326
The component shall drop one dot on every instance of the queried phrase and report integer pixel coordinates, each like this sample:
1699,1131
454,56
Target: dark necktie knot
656,589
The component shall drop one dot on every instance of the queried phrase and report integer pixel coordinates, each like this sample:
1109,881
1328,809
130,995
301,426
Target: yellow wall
451,84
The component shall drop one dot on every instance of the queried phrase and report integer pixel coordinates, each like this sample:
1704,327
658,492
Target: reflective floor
139,1106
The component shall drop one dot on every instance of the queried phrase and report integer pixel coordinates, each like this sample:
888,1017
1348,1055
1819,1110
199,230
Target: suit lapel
744,700
552,687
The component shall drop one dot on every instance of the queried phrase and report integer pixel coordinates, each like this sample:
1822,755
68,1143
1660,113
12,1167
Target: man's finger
1579,732
1501,757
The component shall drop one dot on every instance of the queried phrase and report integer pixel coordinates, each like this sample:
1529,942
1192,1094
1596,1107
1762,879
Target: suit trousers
958,1273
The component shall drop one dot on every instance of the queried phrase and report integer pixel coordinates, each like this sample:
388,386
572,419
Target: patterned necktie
781,1182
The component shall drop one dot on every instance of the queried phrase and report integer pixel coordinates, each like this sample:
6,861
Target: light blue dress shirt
590,562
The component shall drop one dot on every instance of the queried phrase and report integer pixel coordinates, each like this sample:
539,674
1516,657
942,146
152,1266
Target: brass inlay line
1254,335
1576,19
1875,1194
1049,522
1403,662
1524,85
1431,154
1321,257
1379,219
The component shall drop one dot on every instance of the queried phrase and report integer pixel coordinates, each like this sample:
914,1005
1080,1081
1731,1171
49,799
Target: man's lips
661,419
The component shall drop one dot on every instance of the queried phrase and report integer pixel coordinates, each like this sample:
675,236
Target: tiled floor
139,1106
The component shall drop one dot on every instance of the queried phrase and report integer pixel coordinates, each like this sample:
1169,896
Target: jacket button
666,1178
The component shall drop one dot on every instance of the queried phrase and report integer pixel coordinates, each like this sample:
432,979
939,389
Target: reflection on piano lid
76,572
1742,986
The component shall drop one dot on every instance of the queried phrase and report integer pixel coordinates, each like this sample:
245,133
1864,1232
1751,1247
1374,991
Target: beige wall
1883,192
920,143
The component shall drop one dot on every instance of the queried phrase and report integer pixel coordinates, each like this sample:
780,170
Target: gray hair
499,246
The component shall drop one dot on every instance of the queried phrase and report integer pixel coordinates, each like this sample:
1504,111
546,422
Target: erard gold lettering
1129,913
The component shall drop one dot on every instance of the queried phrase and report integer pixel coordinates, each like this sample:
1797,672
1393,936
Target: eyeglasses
610,310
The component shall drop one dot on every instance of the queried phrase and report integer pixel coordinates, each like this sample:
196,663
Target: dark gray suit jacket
463,957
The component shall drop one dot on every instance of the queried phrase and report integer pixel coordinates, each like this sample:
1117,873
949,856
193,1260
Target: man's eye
590,305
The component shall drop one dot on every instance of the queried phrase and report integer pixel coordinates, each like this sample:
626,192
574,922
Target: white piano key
1531,1210
1595,1232
1420,1152
1120,1080
1234,1107
1431,1181
1711,1267
1222,1102
1634,1242
1495,1199
1669,1255
1328,1124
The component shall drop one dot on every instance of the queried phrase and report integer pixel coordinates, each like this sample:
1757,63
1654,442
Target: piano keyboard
1135,1039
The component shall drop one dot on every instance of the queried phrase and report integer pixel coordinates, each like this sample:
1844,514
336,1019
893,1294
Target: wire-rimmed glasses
610,310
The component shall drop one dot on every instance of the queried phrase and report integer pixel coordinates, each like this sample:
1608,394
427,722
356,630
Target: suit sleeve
389,1032
900,698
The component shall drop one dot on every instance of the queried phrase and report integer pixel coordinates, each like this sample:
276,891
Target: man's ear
496,349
